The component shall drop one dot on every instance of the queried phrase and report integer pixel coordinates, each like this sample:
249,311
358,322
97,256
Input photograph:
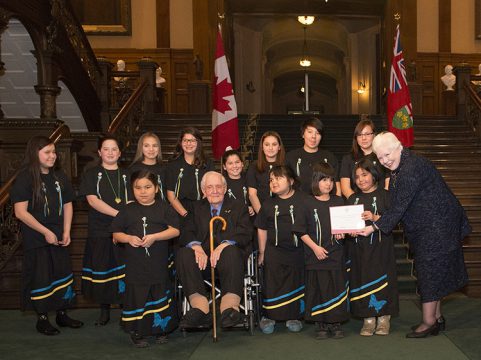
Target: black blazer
239,227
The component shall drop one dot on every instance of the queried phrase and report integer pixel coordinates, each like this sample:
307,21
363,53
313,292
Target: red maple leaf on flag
221,91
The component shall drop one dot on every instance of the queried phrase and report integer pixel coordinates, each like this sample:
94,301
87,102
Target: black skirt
283,291
372,277
47,279
103,271
326,296
149,309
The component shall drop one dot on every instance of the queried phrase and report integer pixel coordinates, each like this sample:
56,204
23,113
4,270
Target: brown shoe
368,327
383,325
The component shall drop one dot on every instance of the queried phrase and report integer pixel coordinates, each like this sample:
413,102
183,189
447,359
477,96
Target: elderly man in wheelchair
231,249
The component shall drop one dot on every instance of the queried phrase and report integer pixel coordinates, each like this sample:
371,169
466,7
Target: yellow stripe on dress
370,292
104,280
330,307
282,304
147,313
51,292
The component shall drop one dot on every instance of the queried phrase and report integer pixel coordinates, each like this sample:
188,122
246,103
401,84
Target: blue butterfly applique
162,322
376,304
121,286
69,293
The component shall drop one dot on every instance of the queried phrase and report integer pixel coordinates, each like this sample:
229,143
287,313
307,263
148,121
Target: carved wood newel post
47,87
4,17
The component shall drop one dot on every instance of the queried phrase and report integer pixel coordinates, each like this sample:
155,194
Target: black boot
44,326
63,320
104,317
138,341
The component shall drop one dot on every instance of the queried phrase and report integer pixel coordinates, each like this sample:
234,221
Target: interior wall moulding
107,17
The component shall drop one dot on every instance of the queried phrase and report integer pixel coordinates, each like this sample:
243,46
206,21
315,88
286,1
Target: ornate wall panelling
430,68
181,65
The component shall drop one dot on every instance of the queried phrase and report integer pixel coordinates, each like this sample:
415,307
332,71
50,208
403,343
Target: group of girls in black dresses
135,214
308,272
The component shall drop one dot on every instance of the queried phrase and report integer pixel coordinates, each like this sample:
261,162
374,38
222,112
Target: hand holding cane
212,271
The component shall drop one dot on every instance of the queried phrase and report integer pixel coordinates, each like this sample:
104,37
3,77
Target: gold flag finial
221,16
397,16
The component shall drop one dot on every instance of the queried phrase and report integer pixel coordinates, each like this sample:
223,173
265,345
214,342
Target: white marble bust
448,79
120,67
159,80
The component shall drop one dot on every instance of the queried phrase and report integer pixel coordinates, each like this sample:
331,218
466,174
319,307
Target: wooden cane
212,271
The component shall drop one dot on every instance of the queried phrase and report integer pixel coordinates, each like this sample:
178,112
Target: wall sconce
362,88
250,87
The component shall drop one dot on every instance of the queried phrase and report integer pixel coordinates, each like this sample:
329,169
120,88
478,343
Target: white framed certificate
346,219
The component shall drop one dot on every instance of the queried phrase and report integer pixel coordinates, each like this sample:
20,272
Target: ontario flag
225,130
399,108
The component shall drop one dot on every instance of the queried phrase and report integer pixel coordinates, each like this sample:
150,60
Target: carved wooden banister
9,239
128,121
473,106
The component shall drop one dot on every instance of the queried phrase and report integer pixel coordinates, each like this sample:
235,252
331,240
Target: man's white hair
208,173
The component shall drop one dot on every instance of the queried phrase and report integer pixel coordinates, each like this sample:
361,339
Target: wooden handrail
128,106
473,95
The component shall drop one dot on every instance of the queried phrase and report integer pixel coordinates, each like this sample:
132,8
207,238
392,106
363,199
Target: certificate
346,219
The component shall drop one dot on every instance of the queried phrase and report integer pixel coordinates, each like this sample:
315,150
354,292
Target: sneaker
323,332
138,341
294,325
63,320
230,318
383,325
161,339
267,325
368,327
196,319
44,327
336,331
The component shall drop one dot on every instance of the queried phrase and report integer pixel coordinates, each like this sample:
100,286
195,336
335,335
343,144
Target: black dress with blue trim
148,307
283,289
103,269
326,280
47,271
372,278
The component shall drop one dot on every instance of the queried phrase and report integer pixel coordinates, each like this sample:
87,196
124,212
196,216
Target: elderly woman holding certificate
434,223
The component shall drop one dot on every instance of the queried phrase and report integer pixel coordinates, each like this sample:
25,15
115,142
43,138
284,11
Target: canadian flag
225,130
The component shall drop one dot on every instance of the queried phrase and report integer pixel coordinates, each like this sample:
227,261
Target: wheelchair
251,300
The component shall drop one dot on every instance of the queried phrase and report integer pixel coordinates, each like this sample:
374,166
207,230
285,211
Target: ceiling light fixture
306,19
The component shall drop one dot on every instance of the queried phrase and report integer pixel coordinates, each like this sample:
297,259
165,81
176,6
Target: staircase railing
473,107
127,124
249,139
63,13
9,226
